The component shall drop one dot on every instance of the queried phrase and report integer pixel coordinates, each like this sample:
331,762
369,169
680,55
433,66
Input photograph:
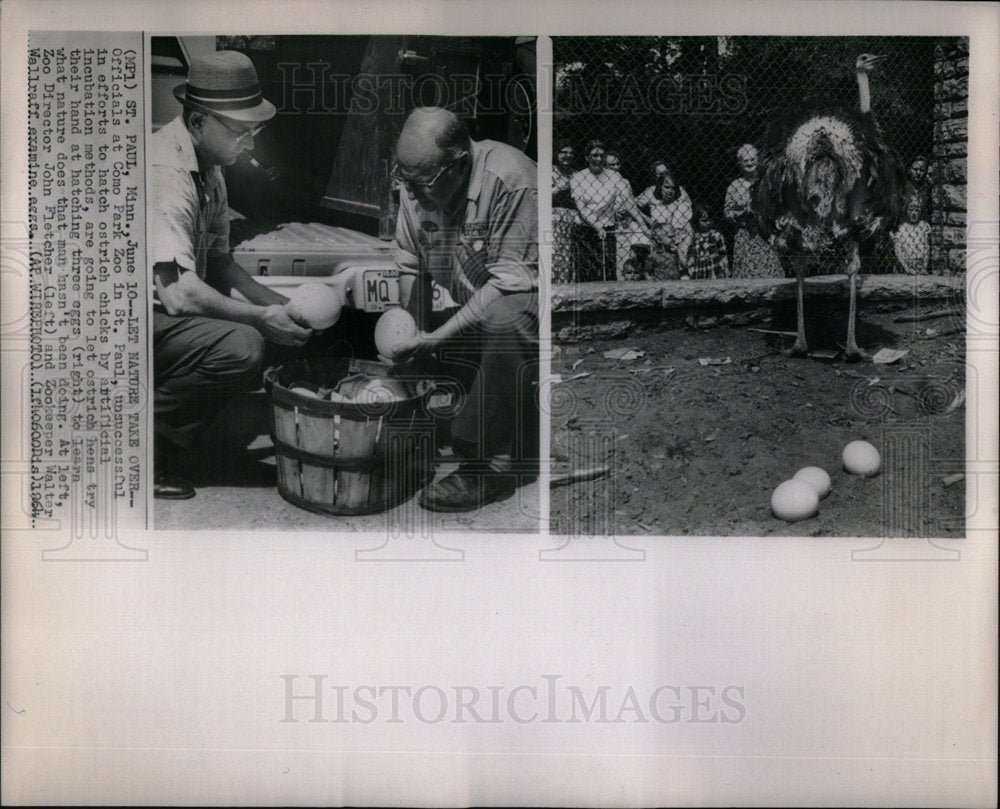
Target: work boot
167,485
171,487
468,488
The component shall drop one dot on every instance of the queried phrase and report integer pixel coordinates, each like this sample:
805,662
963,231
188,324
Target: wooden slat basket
342,457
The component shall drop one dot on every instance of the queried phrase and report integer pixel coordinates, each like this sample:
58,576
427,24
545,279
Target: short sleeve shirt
188,211
493,240
599,196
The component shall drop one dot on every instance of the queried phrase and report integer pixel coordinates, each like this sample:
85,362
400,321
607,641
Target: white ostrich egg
794,500
380,391
318,304
815,477
861,458
307,393
394,327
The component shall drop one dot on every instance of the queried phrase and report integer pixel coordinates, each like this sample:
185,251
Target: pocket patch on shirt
475,231
475,234
473,250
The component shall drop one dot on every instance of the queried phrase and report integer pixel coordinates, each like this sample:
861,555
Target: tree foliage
695,100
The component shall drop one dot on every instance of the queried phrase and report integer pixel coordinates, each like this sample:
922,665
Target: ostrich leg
852,352
800,349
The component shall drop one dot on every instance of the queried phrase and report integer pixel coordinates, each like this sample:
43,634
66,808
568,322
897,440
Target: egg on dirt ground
815,477
794,500
861,458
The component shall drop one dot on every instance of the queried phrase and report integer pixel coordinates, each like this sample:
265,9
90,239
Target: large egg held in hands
815,477
318,304
861,458
794,500
393,329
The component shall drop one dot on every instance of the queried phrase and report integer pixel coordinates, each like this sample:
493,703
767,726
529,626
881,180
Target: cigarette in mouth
269,171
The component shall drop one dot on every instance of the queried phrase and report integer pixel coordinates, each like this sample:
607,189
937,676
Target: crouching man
469,220
207,345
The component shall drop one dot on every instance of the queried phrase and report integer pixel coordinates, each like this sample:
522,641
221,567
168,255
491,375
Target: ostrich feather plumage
847,152
829,182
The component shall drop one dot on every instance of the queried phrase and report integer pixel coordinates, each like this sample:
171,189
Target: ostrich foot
854,354
800,349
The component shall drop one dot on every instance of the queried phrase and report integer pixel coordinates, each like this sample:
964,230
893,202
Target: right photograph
758,265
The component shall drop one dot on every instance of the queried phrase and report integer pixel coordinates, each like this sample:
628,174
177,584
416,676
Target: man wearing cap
207,345
469,220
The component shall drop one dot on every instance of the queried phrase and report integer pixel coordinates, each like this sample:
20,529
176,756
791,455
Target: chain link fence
656,141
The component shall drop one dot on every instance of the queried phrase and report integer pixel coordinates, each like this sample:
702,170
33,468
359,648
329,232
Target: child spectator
708,249
912,240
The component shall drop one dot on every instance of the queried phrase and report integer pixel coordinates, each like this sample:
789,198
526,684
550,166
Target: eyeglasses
425,185
241,134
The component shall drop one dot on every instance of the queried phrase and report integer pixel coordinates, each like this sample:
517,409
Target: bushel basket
346,457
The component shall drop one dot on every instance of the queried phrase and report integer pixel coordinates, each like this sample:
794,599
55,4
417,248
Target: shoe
171,487
468,488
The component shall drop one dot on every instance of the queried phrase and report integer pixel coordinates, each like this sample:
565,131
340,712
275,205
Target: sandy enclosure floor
698,448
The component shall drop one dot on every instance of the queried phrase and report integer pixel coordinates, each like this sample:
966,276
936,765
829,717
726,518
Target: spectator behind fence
564,217
659,168
708,250
752,256
912,240
598,194
669,220
631,233
918,187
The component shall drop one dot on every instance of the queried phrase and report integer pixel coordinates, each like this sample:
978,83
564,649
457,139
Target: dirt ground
698,448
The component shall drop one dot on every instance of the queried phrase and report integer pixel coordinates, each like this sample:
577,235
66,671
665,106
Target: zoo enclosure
693,101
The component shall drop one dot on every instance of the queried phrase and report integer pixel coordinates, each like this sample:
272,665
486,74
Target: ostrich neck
863,92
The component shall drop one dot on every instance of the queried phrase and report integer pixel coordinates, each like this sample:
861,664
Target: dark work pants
595,259
497,367
198,364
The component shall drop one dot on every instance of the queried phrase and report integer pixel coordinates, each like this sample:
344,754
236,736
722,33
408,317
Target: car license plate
380,291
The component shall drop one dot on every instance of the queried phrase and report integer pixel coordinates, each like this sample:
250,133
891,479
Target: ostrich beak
869,61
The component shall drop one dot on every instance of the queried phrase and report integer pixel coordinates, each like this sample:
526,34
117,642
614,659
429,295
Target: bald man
468,219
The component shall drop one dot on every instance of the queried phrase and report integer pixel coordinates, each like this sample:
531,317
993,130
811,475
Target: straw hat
225,83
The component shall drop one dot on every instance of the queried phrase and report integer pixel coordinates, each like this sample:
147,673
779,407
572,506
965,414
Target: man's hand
278,326
413,349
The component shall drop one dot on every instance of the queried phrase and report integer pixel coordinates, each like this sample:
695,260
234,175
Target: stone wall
951,139
612,309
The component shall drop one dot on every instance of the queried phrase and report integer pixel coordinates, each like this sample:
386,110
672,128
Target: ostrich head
867,62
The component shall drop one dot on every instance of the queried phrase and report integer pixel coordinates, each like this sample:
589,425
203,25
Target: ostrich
828,183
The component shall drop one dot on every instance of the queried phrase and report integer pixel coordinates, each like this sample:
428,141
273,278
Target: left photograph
342,242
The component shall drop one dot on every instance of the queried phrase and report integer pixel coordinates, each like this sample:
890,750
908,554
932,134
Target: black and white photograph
758,306
344,253
523,403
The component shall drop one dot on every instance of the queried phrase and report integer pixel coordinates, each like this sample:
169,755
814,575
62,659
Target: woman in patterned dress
752,256
564,217
669,221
